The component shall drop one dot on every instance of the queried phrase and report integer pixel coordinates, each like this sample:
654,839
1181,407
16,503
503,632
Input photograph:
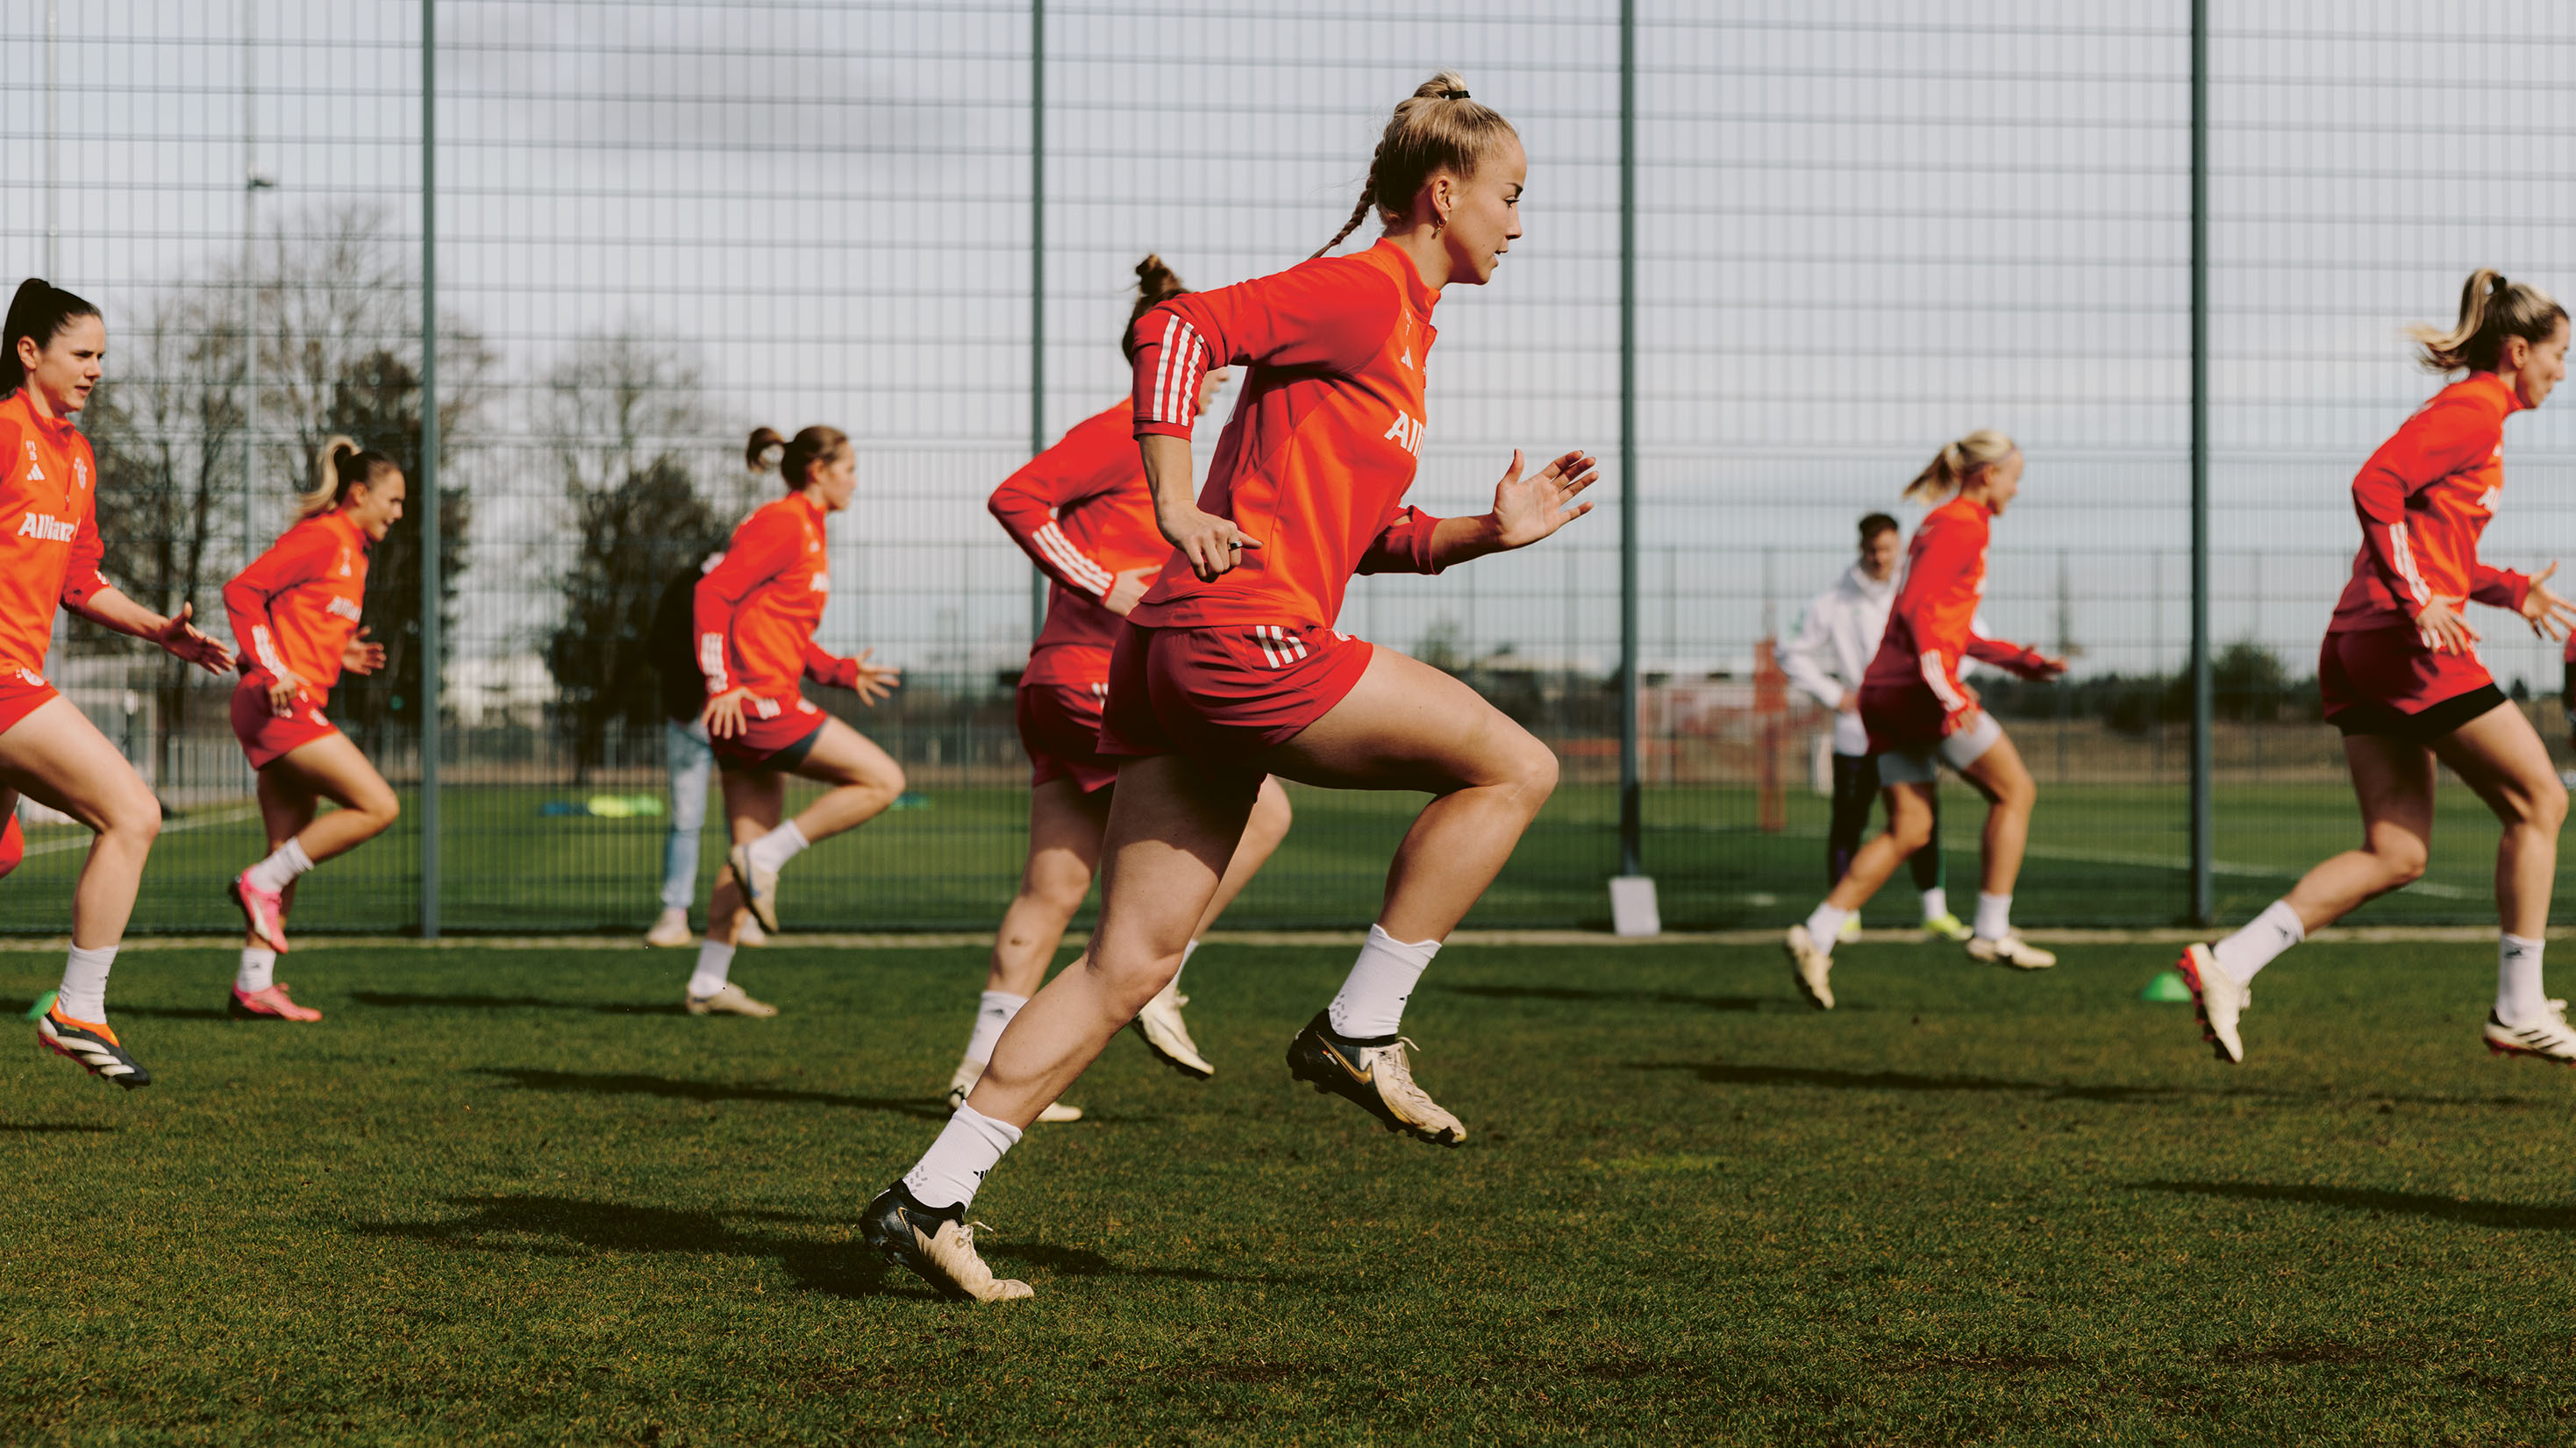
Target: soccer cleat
730,1001
1850,931
671,931
271,1004
2217,999
1375,1073
2546,1039
962,1085
2011,951
1814,968
759,887
937,1243
750,933
1164,1034
91,1044
1946,926
264,911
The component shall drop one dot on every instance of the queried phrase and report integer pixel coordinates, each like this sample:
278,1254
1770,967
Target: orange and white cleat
264,911
271,1004
92,1045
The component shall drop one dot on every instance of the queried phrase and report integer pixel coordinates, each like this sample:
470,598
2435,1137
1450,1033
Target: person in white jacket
1825,661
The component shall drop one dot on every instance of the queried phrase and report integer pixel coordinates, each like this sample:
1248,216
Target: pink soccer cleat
263,910
272,1004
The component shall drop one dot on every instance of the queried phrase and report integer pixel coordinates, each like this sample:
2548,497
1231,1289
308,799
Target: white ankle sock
258,970
2265,937
715,962
773,850
83,995
2520,997
1994,916
1372,999
970,1145
1826,926
280,869
1936,903
992,1017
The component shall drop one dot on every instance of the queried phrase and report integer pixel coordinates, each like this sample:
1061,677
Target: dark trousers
1855,790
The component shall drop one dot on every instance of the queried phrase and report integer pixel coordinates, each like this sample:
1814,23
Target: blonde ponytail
1957,463
2491,310
1438,128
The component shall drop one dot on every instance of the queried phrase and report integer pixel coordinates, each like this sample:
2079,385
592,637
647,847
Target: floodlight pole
1037,277
1631,817
2203,818
430,600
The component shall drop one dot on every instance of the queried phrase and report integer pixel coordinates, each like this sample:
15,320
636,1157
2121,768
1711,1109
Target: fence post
2204,844
431,645
1632,894
1037,277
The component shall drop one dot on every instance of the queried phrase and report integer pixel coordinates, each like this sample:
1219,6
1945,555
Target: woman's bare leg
2011,794
1909,828
333,768
2499,755
2393,782
1262,831
56,757
1065,829
286,805
753,801
864,779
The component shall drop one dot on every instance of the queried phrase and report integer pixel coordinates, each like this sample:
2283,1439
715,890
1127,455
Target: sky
1863,227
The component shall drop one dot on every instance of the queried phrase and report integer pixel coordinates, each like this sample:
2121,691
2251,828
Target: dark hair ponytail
796,455
1155,285
40,311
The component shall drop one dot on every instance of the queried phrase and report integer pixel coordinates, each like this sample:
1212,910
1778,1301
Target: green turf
517,1197
2100,855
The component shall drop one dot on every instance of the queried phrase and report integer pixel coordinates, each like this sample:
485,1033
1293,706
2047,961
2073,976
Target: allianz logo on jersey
51,530
1406,432
342,608
822,581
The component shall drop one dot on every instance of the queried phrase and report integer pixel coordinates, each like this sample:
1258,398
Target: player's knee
2547,807
1056,889
2402,859
1533,770
379,808
1911,829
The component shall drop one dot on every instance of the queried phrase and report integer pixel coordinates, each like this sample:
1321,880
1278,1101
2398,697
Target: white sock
2519,995
970,1145
1936,903
715,962
773,850
1994,916
280,869
258,969
992,1017
83,996
2268,934
1826,926
1373,995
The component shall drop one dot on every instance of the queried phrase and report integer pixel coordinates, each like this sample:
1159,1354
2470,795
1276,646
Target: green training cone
2167,987
43,1004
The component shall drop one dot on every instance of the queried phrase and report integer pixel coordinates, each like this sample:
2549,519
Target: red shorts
264,736
2386,681
776,734
1060,728
1901,717
1223,694
22,692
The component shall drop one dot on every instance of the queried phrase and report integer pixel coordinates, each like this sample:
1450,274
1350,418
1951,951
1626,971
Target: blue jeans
691,761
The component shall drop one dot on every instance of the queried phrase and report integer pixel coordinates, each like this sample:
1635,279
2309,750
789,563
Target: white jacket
1834,645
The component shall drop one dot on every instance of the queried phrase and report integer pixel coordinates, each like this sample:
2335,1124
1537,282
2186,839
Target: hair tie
1453,95
2501,283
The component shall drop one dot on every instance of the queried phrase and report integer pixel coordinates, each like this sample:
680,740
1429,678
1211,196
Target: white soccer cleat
938,1243
2545,1039
962,1085
750,933
1850,931
1374,1073
730,1001
671,931
2217,999
2012,951
1164,1033
1814,968
759,887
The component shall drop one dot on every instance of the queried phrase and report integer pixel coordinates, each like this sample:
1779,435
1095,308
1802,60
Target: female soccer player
51,354
295,613
1230,668
1083,514
1920,715
756,615
2401,677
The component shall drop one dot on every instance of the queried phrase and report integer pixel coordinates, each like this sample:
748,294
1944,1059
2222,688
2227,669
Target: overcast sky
1866,226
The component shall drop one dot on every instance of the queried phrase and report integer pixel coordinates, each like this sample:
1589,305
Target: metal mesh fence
1862,228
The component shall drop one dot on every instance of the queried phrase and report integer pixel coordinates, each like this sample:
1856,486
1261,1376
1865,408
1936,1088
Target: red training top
2424,500
1932,624
295,608
757,611
1316,460
1082,512
49,548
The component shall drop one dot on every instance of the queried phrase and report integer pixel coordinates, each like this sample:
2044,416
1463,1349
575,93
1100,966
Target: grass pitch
518,1197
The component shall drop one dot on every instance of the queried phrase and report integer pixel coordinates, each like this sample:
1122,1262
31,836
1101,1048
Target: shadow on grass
396,1000
604,1084
2512,1216
1719,1073
48,1128
1620,997
14,1009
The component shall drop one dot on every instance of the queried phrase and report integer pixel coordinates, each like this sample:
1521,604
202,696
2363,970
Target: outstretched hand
363,655
1529,509
2550,616
2443,630
183,640
872,682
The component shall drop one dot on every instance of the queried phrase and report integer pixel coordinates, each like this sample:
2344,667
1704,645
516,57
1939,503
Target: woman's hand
2039,668
872,682
363,655
181,640
1212,544
2443,630
284,692
1528,509
723,714
1129,589
2550,616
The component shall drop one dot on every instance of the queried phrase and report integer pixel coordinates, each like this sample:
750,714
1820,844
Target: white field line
2216,867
